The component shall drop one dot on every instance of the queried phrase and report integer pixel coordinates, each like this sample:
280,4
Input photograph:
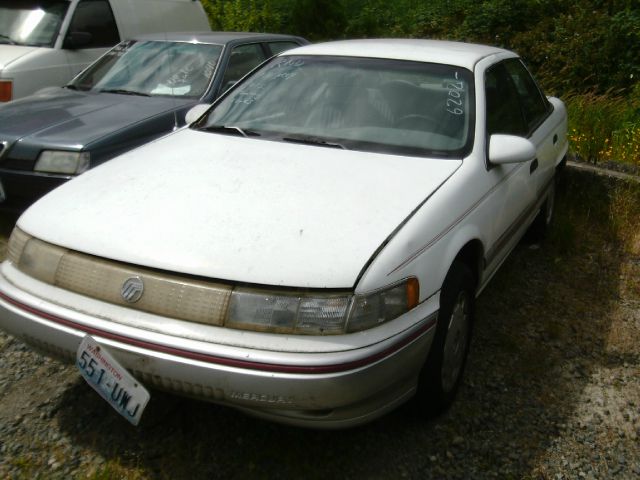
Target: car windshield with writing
32,23
367,104
149,68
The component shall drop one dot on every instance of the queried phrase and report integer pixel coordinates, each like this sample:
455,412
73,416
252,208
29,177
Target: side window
95,17
278,47
243,59
534,104
503,107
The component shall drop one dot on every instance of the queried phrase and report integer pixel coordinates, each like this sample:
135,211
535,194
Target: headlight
287,313
221,304
58,161
371,310
273,311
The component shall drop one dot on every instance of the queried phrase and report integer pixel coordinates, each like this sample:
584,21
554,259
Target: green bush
243,15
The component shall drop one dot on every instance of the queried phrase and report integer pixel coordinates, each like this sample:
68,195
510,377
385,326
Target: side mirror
196,112
510,149
75,40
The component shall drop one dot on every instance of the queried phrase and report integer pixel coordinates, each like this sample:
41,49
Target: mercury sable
138,91
308,250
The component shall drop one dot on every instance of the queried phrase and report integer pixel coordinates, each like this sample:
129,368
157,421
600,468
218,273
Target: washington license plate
111,380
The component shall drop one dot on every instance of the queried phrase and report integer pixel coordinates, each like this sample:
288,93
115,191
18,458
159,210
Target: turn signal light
6,90
413,292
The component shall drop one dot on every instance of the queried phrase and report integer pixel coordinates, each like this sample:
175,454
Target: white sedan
310,249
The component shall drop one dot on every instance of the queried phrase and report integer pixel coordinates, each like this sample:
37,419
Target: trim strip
229,362
512,229
438,237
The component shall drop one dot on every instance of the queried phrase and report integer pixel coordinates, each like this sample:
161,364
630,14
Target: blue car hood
66,118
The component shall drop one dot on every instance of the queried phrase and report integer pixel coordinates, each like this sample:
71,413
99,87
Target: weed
114,470
605,127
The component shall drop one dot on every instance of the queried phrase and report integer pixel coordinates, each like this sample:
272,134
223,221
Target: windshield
152,68
30,22
390,106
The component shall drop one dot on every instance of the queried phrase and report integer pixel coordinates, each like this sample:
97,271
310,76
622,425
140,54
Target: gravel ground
552,390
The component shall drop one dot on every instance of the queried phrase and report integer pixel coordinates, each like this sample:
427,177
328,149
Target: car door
513,195
542,127
93,17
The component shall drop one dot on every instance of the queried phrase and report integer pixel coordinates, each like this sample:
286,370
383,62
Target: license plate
111,380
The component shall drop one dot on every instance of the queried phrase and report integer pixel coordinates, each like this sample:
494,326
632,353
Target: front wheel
441,374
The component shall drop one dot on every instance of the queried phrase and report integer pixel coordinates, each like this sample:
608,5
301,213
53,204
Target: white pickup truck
47,42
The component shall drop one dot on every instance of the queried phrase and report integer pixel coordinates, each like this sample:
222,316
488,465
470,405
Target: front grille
164,294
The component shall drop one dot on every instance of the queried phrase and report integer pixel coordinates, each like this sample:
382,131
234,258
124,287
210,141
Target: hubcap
455,344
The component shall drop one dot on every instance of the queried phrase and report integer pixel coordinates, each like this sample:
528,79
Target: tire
540,226
442,372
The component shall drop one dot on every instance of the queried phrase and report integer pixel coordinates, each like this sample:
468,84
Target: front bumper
22,188
328,382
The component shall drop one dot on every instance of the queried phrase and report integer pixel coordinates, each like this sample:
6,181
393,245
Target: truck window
29,22
95,17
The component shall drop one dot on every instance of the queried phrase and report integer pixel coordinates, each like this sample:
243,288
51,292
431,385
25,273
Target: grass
114,470
605,127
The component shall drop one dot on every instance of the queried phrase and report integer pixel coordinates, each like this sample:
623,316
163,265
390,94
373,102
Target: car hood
70,119
239,209
10,53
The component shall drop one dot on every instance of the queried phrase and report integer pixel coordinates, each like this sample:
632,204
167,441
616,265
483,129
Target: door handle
534,166
555,139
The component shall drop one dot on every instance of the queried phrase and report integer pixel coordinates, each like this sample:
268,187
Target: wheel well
471,255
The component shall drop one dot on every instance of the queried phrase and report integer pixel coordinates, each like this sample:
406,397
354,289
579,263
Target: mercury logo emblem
132,289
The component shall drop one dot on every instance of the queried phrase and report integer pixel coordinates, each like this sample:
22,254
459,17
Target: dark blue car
138,91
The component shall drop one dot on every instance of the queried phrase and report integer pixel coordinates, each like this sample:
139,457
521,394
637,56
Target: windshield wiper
7,37
123,91
231,130
310,140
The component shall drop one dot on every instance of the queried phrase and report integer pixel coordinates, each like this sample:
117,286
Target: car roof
432,51
215,37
